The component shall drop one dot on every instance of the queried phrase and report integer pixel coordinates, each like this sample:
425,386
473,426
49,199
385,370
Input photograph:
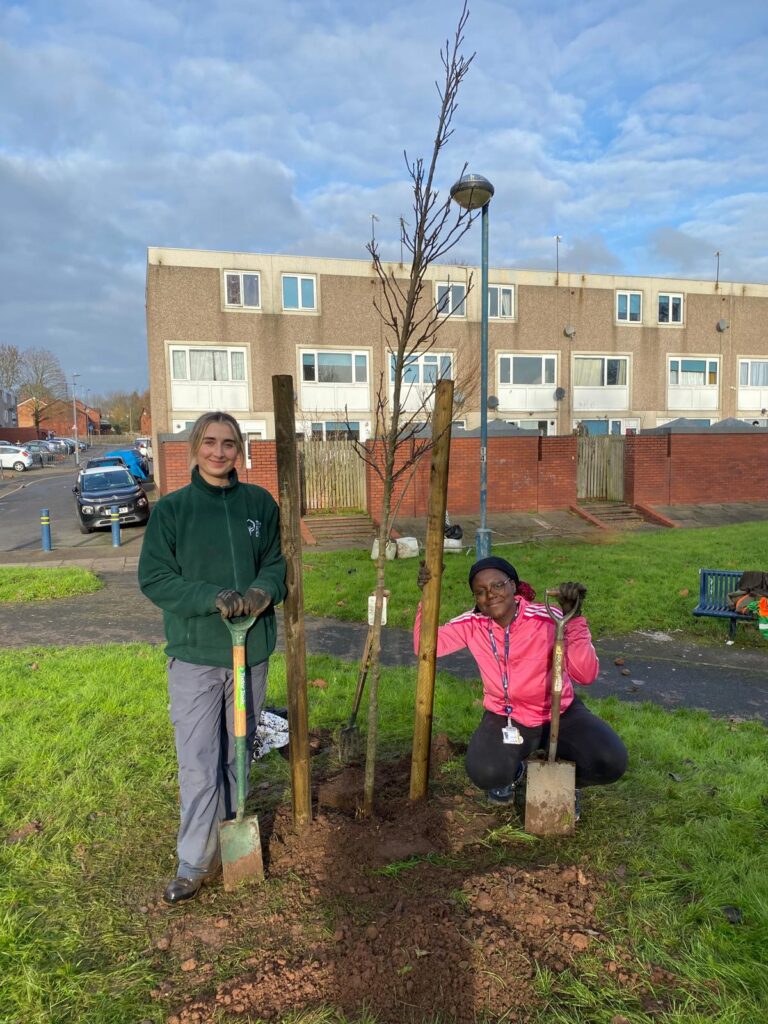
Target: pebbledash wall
536,473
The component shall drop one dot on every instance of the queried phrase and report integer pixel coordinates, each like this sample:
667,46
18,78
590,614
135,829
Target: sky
638,132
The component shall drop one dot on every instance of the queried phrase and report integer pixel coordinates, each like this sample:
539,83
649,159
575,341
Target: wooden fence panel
332,476
601,468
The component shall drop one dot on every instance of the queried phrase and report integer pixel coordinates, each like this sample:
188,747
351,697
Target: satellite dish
559,394
722,325
493,402
569,330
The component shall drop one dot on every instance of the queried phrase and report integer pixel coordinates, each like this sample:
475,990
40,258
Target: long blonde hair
201,426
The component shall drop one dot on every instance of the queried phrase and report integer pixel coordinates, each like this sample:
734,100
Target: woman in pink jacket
511,638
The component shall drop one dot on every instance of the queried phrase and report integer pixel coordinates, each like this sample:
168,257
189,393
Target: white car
14,457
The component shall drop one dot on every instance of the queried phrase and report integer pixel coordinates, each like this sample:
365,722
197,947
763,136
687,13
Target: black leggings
588,741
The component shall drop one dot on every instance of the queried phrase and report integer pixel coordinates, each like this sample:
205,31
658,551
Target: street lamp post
87,420
74,417
474,192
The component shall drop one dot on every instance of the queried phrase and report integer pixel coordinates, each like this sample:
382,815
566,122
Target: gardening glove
229,603
255,601
424,575
570,596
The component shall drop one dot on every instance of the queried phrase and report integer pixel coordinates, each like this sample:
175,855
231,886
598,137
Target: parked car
68,443
144,444
57,445
98,489
41,448
14,457
106,460
132,460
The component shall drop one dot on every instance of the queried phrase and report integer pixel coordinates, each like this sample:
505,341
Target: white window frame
603,382
628,295
709,362
301,308
230,350
499,288
421,361
542,357
535,425
624,424
670,297
747,362
240,274
353,353
458,307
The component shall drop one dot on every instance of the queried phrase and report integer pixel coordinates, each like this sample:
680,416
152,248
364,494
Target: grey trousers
202,713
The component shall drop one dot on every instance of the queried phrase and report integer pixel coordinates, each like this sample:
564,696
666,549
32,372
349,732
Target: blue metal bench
714,587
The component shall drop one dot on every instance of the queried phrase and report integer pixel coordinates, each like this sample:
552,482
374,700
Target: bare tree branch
412,320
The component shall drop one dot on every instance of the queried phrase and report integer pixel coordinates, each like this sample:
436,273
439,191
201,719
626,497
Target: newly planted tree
411,319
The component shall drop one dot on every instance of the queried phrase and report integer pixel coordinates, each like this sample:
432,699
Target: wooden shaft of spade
241,745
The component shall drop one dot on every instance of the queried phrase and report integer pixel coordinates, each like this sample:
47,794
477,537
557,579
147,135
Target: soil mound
429,911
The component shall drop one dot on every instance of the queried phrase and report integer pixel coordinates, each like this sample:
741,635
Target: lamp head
472,191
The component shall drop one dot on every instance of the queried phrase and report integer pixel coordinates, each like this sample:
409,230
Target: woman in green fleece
211,550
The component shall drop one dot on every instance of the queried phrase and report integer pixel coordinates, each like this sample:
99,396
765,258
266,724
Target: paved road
23,495
728,682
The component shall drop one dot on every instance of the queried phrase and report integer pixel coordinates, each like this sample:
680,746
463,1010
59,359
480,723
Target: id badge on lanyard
510,733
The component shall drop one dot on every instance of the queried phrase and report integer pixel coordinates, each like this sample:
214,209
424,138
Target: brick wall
696,469
172,465
646,469
14,434
530,473
524,474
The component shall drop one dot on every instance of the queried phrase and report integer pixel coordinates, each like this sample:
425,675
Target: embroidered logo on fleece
254,527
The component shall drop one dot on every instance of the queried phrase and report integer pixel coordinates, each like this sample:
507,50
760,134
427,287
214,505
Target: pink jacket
529,670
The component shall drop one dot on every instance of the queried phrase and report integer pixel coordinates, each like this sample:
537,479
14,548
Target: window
670,308
450,298
629,307
208,364
298,291
527,370
501,301
336,430
692,372
242,290
600,428
426,369
334,367
753,373
599,371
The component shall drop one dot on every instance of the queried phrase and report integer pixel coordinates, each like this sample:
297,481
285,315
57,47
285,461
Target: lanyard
502,669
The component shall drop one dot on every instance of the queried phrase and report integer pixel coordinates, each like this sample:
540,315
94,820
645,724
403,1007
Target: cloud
636,132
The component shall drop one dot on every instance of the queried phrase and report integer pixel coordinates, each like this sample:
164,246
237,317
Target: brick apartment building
612,353
56,416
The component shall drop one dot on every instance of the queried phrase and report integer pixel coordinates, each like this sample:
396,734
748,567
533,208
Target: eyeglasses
491,589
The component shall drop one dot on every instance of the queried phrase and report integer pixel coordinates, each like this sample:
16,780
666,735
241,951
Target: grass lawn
88,813
22,585
634,580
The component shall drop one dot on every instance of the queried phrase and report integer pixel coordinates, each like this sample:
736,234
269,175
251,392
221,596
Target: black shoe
507,794
180,889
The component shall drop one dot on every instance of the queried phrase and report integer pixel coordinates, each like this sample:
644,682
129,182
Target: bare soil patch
419,914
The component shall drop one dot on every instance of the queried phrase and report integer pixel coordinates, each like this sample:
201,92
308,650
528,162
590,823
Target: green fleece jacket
203,539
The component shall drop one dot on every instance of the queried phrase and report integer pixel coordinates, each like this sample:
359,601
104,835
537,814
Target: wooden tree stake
293,607
430,608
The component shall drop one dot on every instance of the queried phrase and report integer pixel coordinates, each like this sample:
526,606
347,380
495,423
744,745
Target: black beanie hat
494,563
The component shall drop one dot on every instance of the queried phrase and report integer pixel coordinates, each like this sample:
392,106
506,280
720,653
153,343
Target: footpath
726,681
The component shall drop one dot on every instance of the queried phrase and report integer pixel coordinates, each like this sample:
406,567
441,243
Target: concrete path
728,682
